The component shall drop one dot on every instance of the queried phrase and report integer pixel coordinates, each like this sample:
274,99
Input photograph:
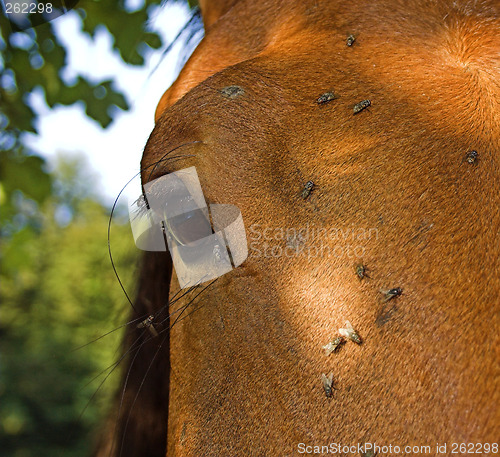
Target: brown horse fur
392,180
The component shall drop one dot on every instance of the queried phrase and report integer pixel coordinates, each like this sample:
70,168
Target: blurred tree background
57,289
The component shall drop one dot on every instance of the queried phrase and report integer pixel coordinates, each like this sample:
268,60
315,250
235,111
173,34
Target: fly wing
153,331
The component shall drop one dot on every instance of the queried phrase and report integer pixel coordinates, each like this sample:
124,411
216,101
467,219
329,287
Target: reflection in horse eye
472,157
350,40
349,333
325,98
189,227
333,345
391,293
328,384
307,189
148,323
358,107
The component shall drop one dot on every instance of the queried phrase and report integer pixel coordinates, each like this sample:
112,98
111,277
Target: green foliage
119,22
34,58
58,290
25,173
24,184
58,293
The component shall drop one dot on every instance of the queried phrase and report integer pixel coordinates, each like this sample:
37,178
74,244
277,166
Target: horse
360,141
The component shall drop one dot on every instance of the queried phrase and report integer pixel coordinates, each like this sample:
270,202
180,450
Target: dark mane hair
137,426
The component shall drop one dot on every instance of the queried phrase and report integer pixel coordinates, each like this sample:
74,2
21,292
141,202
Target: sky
114,153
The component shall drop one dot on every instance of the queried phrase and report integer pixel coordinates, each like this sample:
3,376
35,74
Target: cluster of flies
387,294
348,333
345,333
471,157
330,95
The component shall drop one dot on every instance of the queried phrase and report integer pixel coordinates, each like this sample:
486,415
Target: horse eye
190,227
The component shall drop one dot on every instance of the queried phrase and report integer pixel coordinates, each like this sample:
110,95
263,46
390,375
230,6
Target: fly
328,384
325,98
349,333
350,40
358,107
391,293
232,91
472,157
333,345
307,189
361,270
148,323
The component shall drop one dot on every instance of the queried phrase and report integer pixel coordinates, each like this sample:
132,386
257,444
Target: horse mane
137,426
